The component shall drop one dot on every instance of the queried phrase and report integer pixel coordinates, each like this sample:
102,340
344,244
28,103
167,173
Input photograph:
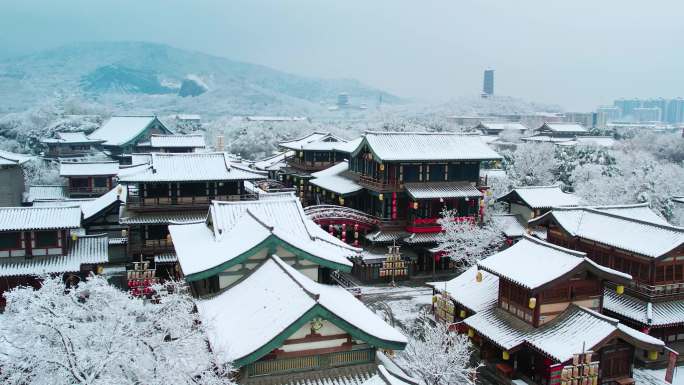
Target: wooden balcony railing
306,363
151,202
151,246
657,291
380,186
88,190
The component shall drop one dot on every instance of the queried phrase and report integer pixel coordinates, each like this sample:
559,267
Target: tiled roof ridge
306,136
281,264
181,135
613,321
373,132
553,246
539,187
69,161
620,217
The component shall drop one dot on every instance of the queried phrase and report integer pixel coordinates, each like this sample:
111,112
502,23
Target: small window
47,239
10,241
100,182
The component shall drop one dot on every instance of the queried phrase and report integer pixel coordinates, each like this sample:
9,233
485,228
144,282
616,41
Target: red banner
671,363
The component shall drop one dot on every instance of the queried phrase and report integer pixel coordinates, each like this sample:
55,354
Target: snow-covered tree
98,335
37,172
531,164
437,356
465,242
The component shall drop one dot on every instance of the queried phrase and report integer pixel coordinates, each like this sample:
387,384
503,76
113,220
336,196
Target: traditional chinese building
70,144
405,180
172,143
558,129
165,188
534,306
12,185
120,135
495,128
88,179
634,240
531,201
276,325
237,236
35,241
314,152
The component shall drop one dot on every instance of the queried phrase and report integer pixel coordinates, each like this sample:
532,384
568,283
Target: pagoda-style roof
425,146
88,169
333,179
562,128
257,315
117,195
161,218
502,126
235,230
575,329
46,193
121,130
651,314
640,211
435,190
273,162
187,167
71,138
86,249
511,225
315,141
39,218
633,234
535,264
473,295
541,197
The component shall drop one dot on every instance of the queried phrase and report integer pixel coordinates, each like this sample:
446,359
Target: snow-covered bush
531,164
465,242
96,334
437,356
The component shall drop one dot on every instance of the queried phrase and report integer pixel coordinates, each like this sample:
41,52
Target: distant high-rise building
675,111
627,107
343,100
606,114
647,114
488,86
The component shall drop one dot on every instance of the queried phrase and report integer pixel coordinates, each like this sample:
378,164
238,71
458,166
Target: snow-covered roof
165,258
386,236
331,179
574,329
533,263
640,211
46,193
187,167
161,218
117,194
169,141
631,234
273,162
119,130
513,226
71,137
11,159
596,141
502,126
316,141
545,138
87,249
234,228
658,314
563,127
39,218
542,197
274,297
70,202
102,168
434,190
493,173
465,290
188,117
409,146
423,238
678,199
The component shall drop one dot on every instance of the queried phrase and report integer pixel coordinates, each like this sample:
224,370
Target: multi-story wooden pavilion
120,135
634,240
534,306
164,188
88,179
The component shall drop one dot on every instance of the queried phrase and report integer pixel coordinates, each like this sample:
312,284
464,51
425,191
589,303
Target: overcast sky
576,53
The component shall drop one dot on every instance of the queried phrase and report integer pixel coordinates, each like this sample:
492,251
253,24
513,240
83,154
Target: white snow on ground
405,302
659,374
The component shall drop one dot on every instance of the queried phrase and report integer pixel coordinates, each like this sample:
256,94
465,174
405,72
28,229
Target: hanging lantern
471,333
532,303
620,289
441,200
478,276
74,237
505,355
462,313
301,154
301,181
330,229
382,167
341,201
381,197
653,355
415,205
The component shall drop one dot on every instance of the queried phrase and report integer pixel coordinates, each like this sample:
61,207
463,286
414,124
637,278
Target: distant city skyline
564,53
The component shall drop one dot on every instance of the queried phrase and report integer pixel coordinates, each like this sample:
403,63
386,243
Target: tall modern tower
488,86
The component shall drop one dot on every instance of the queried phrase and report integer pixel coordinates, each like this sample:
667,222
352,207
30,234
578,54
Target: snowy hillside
148,77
